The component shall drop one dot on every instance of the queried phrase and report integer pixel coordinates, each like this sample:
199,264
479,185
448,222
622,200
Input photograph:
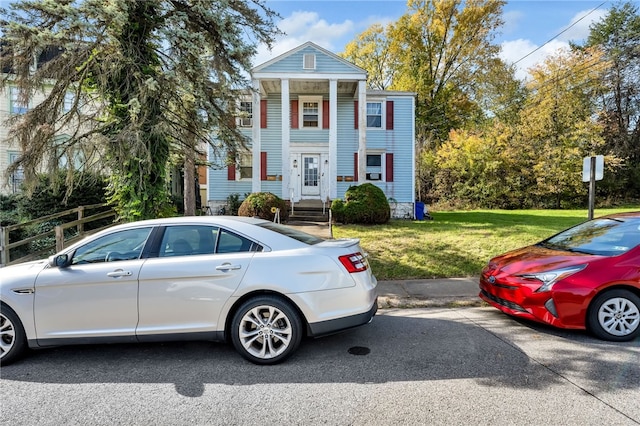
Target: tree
370,51
558,126
440,47
127,65
618,36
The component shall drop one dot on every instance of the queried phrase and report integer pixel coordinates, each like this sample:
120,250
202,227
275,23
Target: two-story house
315,130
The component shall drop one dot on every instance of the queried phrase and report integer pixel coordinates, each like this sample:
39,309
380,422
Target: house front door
310,175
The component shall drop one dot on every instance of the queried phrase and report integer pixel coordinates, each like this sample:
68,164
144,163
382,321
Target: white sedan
261,285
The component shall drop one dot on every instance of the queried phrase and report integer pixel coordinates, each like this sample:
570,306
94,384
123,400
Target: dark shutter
355,166
389,167
263,114
325,114
294,114
231,172
263,165
389,115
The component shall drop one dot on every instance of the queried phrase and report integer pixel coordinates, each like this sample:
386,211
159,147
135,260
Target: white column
286,136
333,140
362,131
255,138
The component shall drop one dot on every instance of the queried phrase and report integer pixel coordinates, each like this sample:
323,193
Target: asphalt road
411,366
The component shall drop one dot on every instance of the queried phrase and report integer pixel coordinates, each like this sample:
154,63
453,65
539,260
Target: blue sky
530,25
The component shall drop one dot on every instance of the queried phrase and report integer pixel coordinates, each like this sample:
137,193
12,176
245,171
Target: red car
587,277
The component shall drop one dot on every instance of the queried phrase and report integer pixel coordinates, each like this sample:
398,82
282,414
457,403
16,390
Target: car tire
266,330
615,315
12,337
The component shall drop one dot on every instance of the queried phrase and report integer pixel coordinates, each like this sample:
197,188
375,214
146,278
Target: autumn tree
370,51
440,46
126,66
618,36
558,126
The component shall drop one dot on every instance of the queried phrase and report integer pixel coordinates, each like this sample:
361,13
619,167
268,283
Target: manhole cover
359,350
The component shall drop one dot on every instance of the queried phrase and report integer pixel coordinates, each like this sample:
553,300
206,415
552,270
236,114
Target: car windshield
292,233
604,237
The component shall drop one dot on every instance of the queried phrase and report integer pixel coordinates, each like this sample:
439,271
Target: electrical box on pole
592,170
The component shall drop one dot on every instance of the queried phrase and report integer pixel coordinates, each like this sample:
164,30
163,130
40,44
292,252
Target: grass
457,243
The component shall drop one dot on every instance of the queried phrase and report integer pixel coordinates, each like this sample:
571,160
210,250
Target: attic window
309,62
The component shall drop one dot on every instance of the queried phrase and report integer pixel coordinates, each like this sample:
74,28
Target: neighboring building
315,130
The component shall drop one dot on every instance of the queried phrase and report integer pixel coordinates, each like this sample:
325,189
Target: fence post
80,216
59,238
4,244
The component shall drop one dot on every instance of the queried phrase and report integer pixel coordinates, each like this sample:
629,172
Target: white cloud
526,54
301,27
578,28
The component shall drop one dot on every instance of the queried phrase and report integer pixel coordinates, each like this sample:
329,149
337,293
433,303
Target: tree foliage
370,51
128,66
441,49
618,36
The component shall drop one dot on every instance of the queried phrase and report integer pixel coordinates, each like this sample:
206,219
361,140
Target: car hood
22,273
537,259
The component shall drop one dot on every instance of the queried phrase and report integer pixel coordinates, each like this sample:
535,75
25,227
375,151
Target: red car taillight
354,262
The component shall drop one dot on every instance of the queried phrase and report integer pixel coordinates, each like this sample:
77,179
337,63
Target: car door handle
227,267
119,273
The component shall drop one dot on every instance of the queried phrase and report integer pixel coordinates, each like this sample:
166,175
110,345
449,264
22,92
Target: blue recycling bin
419,210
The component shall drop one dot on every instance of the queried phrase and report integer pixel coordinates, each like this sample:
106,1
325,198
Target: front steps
310,211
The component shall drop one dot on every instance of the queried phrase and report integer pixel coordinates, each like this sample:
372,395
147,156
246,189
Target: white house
315,130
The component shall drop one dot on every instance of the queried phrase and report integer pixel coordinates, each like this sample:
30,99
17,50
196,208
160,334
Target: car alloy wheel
615,315
12,340
266,330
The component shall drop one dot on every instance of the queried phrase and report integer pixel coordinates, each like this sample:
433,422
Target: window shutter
294,114
263,165
355,114
389,115
355,166
263,113
325,114
231,172
389,167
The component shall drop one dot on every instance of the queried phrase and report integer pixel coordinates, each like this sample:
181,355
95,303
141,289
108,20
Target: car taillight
354,262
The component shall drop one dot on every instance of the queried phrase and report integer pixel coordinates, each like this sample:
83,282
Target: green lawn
456,244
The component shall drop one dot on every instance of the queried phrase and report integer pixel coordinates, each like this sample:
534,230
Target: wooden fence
60,242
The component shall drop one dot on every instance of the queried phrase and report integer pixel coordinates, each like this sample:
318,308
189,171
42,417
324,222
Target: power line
560,33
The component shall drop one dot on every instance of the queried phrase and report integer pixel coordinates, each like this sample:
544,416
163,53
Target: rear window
604,237
292,233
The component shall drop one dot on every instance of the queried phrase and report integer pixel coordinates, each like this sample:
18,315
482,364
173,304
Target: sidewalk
428,293
412,293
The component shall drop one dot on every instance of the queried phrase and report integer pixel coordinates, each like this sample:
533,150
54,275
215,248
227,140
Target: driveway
411,366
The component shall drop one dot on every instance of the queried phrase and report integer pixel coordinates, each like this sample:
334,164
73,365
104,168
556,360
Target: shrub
364,204
49,195
263,205
234,203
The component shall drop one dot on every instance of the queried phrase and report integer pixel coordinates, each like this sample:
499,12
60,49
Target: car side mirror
60,260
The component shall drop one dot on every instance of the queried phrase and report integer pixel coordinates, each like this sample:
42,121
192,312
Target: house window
17,177
16,106
311,112
69,100
309,61
374,166
245,170
246,114
374,115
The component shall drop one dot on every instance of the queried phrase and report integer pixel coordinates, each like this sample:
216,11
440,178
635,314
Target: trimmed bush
263,205
364,204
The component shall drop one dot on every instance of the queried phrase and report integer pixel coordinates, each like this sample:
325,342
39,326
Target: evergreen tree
131,77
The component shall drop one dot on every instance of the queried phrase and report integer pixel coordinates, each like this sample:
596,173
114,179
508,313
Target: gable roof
291,61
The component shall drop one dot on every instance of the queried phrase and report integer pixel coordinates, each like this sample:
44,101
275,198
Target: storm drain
359,350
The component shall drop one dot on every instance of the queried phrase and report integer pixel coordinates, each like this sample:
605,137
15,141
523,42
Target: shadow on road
398,346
